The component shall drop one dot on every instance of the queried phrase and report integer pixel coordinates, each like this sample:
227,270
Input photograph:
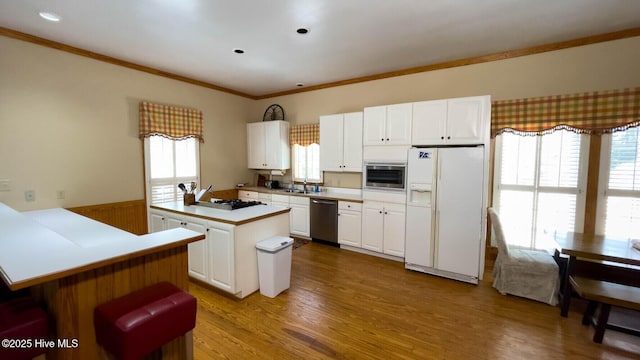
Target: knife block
189,199
204,196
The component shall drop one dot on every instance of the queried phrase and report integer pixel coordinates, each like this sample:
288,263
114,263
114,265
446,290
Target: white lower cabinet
264,198
210,260
245,195
161,220
280,200
198,250
299,214
221,256
227,257
350,223
383,227
299,220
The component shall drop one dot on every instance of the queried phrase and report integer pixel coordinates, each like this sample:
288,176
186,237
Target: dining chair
532,274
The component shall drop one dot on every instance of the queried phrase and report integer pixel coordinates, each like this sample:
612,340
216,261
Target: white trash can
274,265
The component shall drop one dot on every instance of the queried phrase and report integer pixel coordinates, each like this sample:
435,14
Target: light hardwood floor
345,305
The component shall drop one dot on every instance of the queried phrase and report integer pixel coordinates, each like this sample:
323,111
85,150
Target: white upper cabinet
466,119
268,145
429,122
459,121
387,125
341,142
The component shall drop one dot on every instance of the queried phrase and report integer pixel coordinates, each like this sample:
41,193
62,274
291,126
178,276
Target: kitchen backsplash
337,180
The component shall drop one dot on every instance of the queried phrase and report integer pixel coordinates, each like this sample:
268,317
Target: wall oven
384,176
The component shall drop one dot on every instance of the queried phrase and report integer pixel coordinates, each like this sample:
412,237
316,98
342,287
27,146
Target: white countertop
236,217
40,244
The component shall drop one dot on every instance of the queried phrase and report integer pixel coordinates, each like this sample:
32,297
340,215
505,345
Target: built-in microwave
384,176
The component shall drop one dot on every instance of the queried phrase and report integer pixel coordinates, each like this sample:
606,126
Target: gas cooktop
231,204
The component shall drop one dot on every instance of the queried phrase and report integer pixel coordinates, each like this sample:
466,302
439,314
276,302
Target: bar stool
136,324
22,319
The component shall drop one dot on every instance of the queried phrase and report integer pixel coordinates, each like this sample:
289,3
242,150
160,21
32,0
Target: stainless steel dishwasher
324,220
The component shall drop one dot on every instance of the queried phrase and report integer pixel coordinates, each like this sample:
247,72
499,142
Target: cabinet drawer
248,194
284,199
263,196
300,200
348,205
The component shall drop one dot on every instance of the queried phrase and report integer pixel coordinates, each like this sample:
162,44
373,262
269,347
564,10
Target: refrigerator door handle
436,237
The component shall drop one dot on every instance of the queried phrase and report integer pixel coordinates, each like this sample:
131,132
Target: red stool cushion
22,318
134,325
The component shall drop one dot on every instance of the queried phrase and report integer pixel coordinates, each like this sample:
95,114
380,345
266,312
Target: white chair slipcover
532,274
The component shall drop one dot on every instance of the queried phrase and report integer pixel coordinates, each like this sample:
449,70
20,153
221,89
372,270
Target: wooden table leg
601,326
566,290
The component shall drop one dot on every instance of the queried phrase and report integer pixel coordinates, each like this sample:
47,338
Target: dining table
599,257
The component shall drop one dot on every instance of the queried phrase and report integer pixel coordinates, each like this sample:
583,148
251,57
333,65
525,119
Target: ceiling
347,39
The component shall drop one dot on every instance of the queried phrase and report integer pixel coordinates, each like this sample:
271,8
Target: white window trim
580,189
147,169
293,166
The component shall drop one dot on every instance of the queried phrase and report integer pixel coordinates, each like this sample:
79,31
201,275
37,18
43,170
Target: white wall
603,66
71,123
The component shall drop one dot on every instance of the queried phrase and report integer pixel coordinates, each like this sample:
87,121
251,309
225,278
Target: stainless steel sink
296,191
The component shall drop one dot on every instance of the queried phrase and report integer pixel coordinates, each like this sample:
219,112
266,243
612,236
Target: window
168,163
619,185
306,163
538,185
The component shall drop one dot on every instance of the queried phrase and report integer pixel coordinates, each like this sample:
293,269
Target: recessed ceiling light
299,84
50,16
238,51
302,30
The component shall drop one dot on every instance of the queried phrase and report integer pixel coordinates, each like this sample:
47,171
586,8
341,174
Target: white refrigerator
445,189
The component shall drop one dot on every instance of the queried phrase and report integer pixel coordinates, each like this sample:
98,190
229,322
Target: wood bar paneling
70,301
228,194
130,216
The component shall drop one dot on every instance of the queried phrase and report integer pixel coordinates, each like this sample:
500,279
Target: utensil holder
189,199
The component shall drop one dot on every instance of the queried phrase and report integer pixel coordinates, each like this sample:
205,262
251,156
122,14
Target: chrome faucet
305,186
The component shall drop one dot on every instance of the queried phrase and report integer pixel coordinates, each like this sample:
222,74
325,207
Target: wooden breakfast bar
71,264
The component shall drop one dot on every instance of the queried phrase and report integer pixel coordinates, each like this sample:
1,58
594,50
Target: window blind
538,181
622,215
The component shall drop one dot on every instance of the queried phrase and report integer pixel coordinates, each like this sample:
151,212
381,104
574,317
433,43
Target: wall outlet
5,185
60,194
30,195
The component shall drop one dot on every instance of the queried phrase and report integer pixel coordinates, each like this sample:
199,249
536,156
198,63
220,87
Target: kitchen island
227,259
71,264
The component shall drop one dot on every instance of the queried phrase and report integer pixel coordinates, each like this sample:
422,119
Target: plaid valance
304,135
585,113
173,122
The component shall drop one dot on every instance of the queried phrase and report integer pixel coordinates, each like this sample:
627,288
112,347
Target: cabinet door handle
382,139
387,139
441,137
448,137
380,211
385,213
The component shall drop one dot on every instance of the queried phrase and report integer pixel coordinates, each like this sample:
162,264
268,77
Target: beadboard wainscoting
129,216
